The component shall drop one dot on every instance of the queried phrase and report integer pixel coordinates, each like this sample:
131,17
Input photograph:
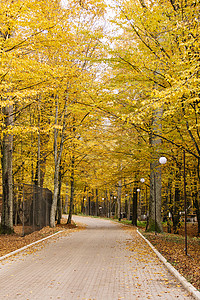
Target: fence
32,205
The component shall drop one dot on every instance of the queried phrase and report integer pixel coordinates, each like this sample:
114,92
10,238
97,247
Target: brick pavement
103,262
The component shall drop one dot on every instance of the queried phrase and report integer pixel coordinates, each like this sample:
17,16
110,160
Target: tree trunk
129,206
139,207
72,191
110,204
119,193
6,162
38,174
197,207
89,203
175,211
66,199
43,139
196,200
57,160
155,220
55,195
175,208
97,204
106,203
71,204
59,202
83,205
134,218
41,159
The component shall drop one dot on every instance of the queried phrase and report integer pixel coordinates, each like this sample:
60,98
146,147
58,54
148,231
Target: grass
129,222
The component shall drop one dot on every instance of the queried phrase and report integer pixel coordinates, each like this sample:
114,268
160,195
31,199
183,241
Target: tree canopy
96,91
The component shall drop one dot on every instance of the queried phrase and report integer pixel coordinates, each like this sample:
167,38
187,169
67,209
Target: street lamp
162,160
142,180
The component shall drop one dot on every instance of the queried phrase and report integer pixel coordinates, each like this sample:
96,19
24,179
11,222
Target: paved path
103,262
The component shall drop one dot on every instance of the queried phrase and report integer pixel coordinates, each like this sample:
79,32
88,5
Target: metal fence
32,205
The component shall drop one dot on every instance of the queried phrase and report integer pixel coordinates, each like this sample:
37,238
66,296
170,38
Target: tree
21,79
156,60
6,160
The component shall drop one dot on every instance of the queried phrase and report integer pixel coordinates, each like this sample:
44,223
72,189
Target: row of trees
90,107
157,70
46,48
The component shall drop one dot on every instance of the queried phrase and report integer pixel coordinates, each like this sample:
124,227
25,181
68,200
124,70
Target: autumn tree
19,27
152,59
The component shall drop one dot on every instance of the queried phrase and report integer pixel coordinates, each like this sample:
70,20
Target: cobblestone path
103,262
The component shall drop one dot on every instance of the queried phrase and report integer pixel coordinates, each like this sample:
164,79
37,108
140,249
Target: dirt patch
192,229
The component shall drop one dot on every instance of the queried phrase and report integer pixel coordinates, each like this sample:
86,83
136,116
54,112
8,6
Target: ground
15,241
171,246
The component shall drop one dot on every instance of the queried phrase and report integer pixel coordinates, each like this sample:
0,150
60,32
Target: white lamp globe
138,190
142,180
162,160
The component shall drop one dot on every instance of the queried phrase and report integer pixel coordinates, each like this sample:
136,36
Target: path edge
188,286
29,245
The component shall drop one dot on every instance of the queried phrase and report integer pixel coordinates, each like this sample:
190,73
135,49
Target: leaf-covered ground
172,247
9,243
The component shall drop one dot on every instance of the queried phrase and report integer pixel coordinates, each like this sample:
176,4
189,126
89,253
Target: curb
27,246
188,286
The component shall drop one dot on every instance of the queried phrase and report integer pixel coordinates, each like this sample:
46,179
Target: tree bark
110,204
72,191
88,202
66,199
106,203
59,202
119,193
129,206
175,211
134,218
155,221
71,204
97,204
38,173
197,207
6,162
139,206
57,160
43,139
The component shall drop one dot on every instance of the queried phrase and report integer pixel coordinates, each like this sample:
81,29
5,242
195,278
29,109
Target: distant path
103,262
